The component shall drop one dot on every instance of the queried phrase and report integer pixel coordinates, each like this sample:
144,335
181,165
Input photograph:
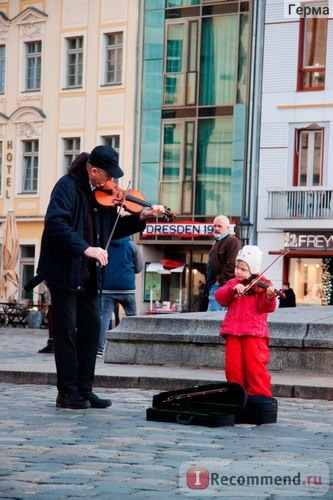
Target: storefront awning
157,267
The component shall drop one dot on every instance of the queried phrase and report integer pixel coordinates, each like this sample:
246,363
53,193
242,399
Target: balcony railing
300,203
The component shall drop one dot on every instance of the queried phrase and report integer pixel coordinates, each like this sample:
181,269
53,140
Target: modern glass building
194,119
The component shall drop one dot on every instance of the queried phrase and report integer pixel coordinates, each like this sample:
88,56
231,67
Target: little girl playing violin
244,326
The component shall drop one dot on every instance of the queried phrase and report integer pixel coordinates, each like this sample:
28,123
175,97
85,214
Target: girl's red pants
246,360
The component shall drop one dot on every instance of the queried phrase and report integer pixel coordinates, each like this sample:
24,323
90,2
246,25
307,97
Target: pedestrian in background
221,260
49,348
124,262
244,326
72,259
290,300
46,301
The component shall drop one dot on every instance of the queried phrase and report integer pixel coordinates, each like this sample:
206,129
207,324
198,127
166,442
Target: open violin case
211,405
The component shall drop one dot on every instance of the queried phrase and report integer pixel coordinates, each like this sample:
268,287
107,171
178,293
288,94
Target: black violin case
211,405
258,410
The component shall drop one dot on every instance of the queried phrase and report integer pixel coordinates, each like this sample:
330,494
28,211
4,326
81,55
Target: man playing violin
73,255
244,326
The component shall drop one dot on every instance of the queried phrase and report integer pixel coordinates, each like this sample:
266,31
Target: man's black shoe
73,401
47,349
95,401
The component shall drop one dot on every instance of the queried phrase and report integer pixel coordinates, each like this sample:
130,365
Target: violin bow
117,218
258,278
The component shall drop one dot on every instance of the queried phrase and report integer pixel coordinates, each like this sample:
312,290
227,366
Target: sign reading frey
319,241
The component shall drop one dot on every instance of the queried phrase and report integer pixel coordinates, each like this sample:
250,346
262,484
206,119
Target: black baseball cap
107,158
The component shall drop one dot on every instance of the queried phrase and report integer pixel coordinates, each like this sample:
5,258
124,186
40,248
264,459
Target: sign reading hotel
319,241
181,229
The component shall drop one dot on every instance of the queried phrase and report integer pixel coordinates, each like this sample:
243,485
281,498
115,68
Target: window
27,266
114,58
222,72
196,63
308,169
74,62
30,166
71,151
33,65
2,68
181,64
1,163
312,53
177,172
113,141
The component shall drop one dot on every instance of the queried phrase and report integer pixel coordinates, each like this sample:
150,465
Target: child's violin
111,195
259,287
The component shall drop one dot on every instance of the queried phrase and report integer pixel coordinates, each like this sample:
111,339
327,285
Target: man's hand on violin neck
97,253
153,211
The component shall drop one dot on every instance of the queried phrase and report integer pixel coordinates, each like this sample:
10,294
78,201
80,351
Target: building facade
170,84
67,83
195,113
295,210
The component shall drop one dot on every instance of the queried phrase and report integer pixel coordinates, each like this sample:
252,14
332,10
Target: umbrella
10,254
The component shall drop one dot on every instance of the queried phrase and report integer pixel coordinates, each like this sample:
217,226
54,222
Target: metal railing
300,203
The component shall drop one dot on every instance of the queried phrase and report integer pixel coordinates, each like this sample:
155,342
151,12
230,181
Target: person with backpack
124,261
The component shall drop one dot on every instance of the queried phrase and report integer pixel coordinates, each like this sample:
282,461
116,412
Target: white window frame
74,154
33,155
36,56
3,68
103,52
64,54
327,174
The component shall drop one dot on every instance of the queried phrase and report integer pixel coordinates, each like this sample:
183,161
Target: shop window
27,266
312,53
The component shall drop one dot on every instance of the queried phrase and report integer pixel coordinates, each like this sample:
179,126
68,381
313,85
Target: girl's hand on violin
153,211
270,292
238,289
97,253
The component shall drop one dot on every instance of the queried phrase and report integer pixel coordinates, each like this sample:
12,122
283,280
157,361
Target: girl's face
242,270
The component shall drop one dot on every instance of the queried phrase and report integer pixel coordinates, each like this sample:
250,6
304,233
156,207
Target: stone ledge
194,341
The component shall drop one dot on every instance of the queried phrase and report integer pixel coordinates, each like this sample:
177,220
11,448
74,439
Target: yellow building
67,83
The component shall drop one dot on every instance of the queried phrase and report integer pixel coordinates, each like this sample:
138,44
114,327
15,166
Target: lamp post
244,230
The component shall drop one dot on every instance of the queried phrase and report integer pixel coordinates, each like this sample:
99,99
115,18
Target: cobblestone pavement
51,453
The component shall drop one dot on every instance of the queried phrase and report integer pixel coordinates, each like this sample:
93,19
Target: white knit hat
252,255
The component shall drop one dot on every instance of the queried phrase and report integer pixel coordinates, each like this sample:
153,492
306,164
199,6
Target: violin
111,195
259,287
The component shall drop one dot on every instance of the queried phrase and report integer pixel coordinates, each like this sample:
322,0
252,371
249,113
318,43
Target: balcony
300,203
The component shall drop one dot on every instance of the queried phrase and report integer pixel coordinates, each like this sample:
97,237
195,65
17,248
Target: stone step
301,340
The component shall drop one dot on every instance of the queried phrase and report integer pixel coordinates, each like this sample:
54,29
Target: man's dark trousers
76,325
